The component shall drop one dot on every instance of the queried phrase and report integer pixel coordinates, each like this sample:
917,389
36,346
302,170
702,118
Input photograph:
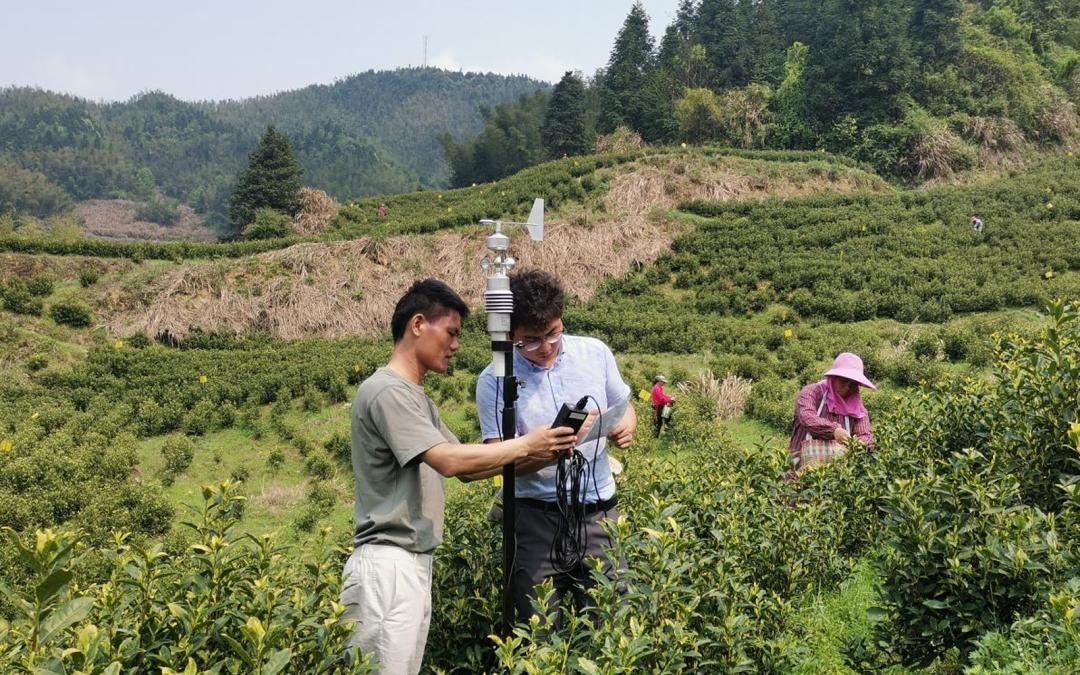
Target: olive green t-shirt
399,498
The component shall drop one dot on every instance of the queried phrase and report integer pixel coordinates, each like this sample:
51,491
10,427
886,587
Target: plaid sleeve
806,406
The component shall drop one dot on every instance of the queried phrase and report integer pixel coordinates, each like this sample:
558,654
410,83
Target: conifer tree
271,180
563,132
627,74
717,32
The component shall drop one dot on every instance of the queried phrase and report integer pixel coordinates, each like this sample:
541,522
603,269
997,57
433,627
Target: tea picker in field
829,413
661,404
976,223
560,508
401,450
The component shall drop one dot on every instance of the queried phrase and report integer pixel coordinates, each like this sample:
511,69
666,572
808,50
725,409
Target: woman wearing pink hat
828,413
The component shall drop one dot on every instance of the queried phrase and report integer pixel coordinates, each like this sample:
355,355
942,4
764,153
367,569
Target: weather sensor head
498,299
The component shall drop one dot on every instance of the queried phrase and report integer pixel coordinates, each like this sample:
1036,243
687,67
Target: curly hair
538,299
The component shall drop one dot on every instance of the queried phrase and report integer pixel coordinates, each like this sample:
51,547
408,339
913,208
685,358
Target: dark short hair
431,298
538,299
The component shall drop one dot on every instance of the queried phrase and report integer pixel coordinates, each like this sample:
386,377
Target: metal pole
509,430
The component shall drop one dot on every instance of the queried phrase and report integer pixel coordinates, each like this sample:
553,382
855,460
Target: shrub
72,314
962,554
772,402
240,474
275,460
312,402
160,211
178,452
37,362
17,298
318,465
201,418
40,285
88,278
138,340
339,390
926,345
339,446
72,626
268,224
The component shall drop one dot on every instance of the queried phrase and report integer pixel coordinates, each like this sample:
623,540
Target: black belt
552,507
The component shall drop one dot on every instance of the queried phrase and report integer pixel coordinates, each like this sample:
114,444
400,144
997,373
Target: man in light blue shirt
555,369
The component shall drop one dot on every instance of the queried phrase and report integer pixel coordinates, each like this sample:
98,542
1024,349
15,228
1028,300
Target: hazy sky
199,49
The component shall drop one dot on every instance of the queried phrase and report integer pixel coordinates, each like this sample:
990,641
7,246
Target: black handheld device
572,417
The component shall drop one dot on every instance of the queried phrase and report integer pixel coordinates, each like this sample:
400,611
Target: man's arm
522,467
474,461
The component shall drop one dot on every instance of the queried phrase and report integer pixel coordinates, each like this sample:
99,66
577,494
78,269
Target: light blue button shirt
585,366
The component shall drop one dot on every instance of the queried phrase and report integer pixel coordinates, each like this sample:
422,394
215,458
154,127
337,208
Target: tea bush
40,285
978,530
72,314
229,604
88,278
178,452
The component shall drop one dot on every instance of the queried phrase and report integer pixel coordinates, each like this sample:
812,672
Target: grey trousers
535,529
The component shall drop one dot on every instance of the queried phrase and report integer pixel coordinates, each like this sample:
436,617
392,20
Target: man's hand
622,436
547,444
841,435
623,433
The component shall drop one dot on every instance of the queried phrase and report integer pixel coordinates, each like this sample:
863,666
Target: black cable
572,475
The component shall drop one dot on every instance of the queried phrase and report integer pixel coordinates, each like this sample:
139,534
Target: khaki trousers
388,591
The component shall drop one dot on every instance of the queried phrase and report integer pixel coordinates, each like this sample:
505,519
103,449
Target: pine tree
682,60
717,32
627,74
860,60
271,180
563,132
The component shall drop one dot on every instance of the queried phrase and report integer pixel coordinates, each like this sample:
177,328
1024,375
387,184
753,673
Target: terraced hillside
739,275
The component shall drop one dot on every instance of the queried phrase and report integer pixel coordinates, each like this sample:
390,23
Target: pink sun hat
850,366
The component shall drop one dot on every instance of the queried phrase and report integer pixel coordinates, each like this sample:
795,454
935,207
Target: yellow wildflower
6,445
202,379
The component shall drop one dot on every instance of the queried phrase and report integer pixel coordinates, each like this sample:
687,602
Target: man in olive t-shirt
393,423
401,450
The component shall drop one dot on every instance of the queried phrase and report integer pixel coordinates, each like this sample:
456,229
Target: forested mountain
371,133
919,89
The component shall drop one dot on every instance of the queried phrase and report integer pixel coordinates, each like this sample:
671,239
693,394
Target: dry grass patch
115,219
59,267
345,288
277,499
728,395
317,208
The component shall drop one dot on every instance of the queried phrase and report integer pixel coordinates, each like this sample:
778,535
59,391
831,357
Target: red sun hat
850,366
